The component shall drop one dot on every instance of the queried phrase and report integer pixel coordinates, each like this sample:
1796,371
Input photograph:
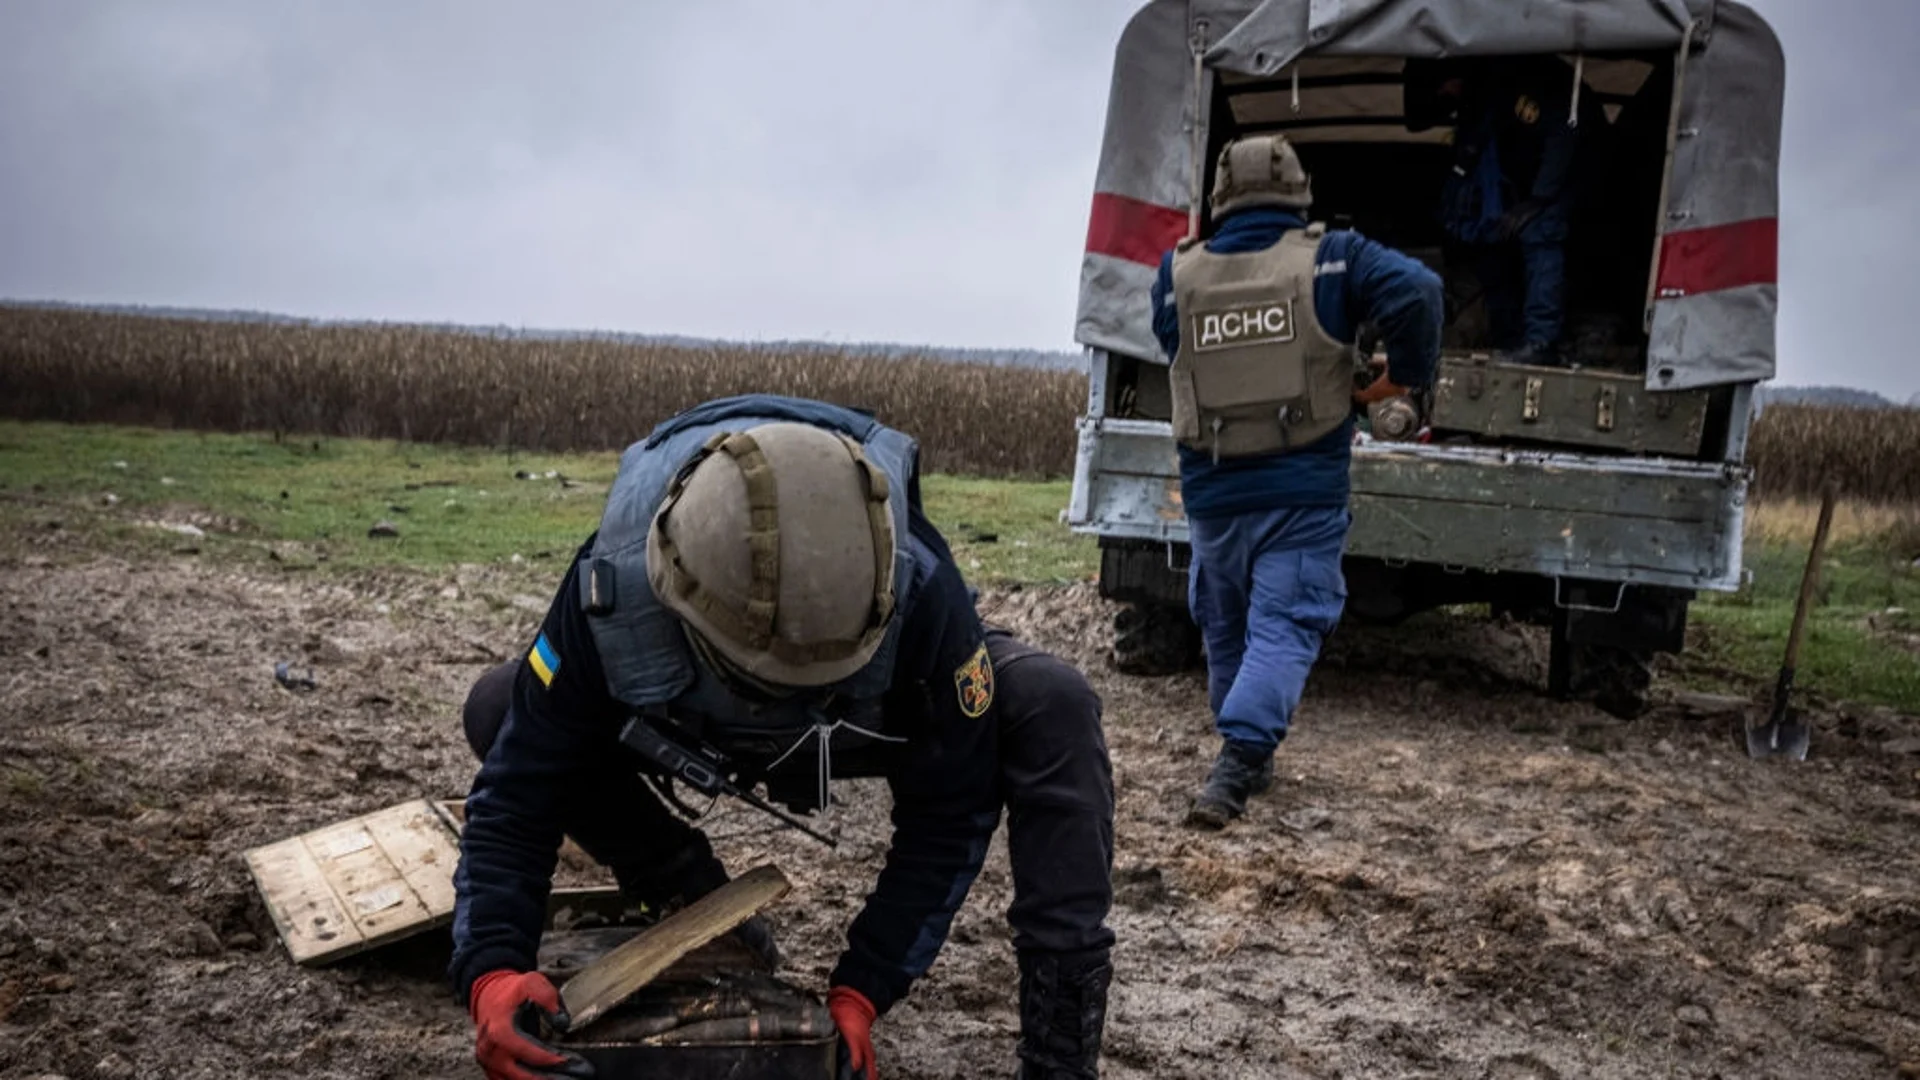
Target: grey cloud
762,169
915,172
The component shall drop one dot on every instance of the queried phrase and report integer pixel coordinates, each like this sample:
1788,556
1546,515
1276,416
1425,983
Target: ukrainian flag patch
545,662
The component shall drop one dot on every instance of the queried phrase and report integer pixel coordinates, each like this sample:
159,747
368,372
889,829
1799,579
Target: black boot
1063,1011
1536,354
1240,771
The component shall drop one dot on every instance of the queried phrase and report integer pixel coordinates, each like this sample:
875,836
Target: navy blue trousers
1266,589
1526,282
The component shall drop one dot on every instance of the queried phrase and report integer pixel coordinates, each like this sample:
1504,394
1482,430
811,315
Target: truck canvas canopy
1329,71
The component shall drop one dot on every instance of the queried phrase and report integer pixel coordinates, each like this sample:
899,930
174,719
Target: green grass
1005,531
1867,599
308,501
450,504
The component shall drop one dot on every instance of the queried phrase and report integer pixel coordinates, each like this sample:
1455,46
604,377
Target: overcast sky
915,172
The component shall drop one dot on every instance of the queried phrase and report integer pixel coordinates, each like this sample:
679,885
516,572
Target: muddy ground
1454,878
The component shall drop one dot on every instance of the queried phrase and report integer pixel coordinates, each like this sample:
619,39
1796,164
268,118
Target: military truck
1598,499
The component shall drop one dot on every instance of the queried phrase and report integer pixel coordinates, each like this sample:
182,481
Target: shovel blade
1787,736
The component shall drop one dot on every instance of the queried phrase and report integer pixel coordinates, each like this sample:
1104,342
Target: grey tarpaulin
1280,30
1713,318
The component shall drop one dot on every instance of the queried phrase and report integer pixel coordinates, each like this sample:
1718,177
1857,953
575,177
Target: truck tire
1606,656
1616,681
1155,639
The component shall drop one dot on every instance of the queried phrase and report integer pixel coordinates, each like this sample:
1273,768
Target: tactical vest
643,648
1256,371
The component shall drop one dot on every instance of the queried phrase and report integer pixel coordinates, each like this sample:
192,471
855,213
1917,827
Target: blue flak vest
642,645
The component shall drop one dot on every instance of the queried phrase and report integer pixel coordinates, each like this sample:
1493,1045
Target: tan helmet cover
1259,170
775,546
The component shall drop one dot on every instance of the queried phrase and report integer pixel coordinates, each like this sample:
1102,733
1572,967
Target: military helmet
1259,170
774,546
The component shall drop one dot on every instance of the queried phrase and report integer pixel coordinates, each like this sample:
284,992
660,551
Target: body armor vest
1256,372
649,663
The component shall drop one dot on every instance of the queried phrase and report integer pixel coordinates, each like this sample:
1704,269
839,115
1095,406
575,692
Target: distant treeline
1047,359
1842,396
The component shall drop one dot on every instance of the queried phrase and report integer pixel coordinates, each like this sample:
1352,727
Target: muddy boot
1240,771
1063,1011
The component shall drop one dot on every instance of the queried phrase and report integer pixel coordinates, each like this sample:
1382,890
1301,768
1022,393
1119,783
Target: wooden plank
1564,542
421,849
1530,484
355,884
371,889
614,977
310,918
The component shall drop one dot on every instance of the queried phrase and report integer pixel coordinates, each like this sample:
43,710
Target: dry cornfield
435,385
1868,454
449,386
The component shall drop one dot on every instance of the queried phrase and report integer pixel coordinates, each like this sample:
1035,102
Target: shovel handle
1810,579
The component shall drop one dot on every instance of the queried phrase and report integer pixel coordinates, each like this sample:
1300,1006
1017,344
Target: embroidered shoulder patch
973,681
544,660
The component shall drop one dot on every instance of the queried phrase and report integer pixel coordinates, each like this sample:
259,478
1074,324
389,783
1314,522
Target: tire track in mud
1510,886
1454,878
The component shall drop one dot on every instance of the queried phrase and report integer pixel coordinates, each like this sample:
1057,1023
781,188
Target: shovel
1785,732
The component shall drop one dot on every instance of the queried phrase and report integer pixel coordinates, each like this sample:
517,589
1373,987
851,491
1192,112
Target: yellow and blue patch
544,661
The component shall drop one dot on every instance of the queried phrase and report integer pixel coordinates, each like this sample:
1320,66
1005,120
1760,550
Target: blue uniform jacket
1355,281
561,736
1517,144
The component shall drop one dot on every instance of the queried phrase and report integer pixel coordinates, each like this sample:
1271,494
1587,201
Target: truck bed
1651,521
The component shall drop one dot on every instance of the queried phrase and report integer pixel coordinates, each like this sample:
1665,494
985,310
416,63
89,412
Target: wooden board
350,886
1546,515
614,977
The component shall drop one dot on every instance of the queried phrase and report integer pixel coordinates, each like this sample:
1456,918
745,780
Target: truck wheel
1155,639
1615,680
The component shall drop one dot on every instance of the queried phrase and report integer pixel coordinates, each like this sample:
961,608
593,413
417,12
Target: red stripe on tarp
1132,229
1721,257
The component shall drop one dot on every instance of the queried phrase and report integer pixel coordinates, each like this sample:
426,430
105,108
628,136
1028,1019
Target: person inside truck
1519,158
1259,322
766,594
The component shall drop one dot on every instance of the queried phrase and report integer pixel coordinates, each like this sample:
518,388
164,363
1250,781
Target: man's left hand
853,1014
1515,220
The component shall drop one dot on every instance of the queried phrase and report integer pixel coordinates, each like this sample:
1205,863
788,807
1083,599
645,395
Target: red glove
505,1006
853,1014
1380,389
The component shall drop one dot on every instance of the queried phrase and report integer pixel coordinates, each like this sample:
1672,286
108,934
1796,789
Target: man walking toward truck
1258,322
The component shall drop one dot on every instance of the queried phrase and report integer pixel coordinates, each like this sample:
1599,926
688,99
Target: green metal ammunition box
1605,409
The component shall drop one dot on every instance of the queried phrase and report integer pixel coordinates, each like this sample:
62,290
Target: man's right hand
1380,389
505,1005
